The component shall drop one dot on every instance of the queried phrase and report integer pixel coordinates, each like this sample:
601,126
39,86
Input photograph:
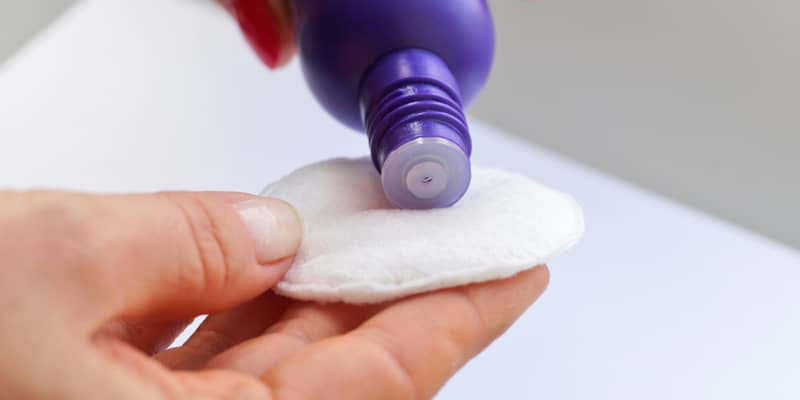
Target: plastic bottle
402,71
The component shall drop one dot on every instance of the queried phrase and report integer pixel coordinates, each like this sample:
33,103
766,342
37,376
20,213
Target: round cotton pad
358,248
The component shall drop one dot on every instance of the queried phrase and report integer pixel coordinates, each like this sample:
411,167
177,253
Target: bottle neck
409,95
419,139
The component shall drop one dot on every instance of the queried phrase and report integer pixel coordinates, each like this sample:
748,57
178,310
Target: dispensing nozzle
426,173
418,134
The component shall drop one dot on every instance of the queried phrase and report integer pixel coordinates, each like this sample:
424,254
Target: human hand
93,289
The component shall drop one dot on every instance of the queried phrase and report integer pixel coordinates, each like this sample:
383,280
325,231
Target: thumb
177,255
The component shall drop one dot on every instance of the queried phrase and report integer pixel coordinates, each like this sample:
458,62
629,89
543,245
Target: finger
218,384
143,378
410,349
150,337
70,369
301,325
175,255
221,331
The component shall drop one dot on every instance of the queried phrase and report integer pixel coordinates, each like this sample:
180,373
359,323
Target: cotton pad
359,248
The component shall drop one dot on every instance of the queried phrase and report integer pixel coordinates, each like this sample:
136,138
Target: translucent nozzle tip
427,179
426,173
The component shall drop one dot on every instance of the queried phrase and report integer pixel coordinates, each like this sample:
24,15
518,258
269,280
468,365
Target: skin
94,287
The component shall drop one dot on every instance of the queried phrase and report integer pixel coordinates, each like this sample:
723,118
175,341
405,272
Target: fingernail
274,225
265,24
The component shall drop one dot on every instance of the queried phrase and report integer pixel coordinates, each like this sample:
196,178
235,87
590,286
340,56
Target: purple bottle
403,71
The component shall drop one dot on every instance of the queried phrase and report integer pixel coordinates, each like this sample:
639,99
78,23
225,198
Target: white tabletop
657,302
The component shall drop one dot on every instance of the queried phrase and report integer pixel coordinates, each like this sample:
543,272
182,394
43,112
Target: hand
93,288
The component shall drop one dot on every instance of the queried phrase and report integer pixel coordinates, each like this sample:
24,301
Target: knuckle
216,384
284,390
294,326
387,365
248,389
475,318
209,268
457,343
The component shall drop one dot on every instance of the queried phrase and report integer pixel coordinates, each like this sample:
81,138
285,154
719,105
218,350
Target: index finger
410,349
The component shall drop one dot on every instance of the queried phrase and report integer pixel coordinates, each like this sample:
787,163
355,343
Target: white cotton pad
358,248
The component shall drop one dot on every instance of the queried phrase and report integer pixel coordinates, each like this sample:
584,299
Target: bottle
402,71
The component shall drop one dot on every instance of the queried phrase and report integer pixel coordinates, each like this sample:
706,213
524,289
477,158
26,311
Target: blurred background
698,100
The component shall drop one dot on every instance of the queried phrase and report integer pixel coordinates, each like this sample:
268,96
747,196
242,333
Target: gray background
694,99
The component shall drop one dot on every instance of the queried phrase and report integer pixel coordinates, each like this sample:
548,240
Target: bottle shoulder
339,41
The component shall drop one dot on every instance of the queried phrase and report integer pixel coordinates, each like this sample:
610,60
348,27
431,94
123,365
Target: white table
658,301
